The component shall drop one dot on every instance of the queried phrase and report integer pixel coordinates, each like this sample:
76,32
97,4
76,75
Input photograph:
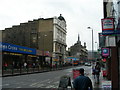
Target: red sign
76,73
47,53
104,60
108,26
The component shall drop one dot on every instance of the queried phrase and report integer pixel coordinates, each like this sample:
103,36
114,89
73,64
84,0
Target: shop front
45,58
14,57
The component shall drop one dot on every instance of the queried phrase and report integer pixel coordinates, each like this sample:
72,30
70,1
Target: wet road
39,80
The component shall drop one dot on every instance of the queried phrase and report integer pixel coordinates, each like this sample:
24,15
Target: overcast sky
79,14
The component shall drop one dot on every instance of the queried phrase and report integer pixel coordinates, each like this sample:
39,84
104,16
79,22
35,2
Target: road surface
39,80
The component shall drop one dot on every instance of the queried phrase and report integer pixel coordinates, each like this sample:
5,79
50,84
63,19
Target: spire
78,39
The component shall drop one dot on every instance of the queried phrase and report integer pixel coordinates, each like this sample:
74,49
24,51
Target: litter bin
65,81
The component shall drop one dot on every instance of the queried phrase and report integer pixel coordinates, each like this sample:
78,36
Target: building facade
111,10
79,51
47,36
93,57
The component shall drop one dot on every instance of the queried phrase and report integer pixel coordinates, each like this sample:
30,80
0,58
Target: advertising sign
105,52
108,26
47,53
106,85
38,52
16,48
76,73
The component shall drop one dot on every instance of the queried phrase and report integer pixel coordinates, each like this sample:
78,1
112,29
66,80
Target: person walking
93,71
25,65
97,72
82,82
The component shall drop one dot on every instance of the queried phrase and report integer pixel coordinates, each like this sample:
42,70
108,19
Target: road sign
105,52
107,26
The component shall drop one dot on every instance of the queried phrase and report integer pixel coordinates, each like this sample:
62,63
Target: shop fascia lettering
8,47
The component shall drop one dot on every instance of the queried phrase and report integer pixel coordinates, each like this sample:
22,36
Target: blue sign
16,48
105,52
108,32
71,58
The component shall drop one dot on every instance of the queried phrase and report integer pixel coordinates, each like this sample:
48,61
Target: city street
40,80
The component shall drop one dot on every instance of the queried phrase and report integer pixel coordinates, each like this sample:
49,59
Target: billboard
76,73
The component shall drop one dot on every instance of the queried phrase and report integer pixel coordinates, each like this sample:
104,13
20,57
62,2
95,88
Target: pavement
103,84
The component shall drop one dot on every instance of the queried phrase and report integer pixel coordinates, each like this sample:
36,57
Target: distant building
93,57
79,51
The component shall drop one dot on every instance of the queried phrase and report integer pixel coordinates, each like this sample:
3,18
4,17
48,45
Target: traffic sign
105,52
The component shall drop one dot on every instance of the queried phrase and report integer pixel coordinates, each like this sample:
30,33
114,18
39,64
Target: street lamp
97,45
92,40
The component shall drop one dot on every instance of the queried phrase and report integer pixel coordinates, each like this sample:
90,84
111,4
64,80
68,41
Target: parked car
87,64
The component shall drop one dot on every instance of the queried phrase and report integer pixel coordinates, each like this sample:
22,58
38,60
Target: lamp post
92,41
44,47
97,45
98,51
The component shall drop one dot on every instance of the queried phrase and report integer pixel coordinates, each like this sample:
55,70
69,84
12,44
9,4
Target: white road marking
51,86
33,84
6,85
18,87
56,82
44,81
40,85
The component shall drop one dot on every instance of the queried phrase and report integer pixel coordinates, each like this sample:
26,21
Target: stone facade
42,34
79,51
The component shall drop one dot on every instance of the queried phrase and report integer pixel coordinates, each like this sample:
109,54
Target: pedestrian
82,82
97,72
33,65
93,71
25,65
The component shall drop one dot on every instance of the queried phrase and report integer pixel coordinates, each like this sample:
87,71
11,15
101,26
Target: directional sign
105,52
